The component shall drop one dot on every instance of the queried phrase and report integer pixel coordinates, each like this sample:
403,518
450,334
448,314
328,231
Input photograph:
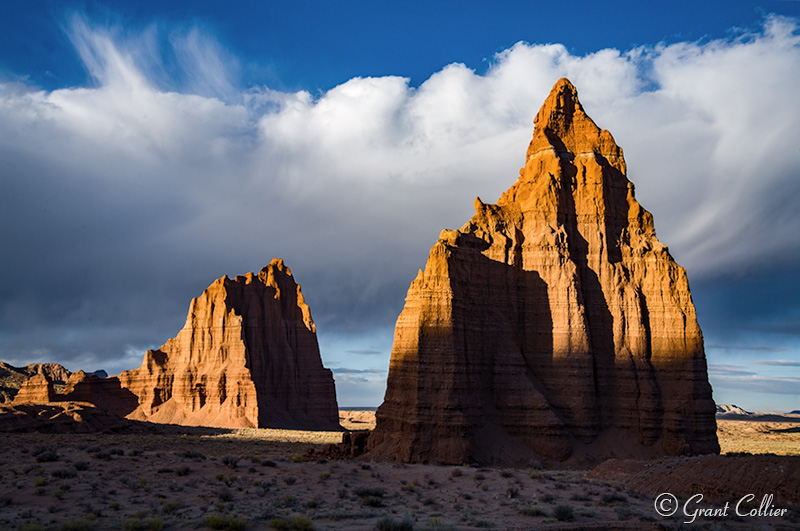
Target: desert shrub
46,456
76,525
64,473
230,461
535,475
298,523
6,500
191,454
152,524
225,495
268,463
342,493
608,498
512,492
372,501
81,466
290,480
31,527
297,458
183,471
439,523
228,523
170,507
387,523
375,492
410,487
548,498
325,475
313,504
531,510
506,474
39,482
456,473
133,525
564,513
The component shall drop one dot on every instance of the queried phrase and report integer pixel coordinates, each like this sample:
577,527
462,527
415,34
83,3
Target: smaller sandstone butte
104,393
246,357
36,389
553,325
12,378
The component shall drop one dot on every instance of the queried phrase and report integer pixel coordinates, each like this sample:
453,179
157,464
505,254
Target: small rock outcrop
246,357
553,325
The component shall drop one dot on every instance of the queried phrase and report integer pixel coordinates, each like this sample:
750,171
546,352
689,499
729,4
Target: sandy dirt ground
192,478
755,437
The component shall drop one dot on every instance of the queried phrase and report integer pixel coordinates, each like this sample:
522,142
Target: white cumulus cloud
122,200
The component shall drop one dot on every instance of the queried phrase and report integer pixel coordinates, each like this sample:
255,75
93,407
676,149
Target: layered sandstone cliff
552,324
246,357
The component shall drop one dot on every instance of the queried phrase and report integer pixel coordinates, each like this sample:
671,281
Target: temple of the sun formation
552,325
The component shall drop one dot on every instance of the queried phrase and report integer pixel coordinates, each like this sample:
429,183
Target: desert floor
196,478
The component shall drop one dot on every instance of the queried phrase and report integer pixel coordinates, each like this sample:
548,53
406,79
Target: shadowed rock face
552,325
246,357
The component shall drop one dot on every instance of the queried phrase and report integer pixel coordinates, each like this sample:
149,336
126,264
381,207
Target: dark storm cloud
121,202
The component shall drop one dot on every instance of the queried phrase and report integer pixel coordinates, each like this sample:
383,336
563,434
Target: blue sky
148,148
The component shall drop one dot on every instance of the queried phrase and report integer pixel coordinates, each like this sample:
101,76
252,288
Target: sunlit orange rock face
246,357
36,389
553,325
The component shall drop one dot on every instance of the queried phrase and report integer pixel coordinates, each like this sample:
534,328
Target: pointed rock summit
246,357
551,326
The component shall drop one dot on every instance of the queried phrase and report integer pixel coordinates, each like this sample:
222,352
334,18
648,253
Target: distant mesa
733,412
553,325
247,357
731,409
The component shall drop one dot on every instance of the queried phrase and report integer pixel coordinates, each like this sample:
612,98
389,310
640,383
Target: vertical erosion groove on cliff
553,325
246,357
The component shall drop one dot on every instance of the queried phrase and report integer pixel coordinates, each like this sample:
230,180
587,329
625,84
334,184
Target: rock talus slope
552,325
246,357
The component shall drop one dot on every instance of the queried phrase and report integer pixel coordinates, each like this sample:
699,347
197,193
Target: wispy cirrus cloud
778,363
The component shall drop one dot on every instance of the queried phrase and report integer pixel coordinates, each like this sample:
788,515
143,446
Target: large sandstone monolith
246,357
552,325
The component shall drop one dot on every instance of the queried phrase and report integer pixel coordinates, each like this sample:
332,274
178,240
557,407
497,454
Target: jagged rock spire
552,325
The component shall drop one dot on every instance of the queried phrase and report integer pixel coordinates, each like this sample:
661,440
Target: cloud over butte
141,186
